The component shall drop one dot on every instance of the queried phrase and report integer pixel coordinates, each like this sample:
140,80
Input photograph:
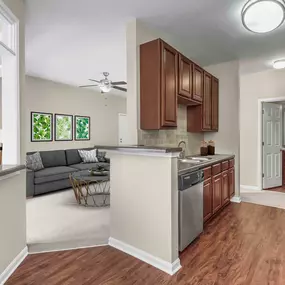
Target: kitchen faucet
182,153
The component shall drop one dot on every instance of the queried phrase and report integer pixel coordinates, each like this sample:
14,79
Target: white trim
170,268
13,265
236,199
248,187
65,249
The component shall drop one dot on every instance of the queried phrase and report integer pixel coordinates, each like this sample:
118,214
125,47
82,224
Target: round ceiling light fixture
263,16
279,64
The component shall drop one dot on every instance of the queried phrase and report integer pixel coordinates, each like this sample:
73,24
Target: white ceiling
70,40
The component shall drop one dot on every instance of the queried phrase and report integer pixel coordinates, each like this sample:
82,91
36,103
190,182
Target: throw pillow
101,155
34,161
88,156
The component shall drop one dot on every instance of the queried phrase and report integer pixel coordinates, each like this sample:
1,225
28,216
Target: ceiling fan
106,85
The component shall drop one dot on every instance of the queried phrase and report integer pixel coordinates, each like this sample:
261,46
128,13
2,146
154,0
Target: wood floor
244,245
277,189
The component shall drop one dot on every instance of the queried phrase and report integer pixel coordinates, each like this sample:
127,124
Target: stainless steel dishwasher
190,186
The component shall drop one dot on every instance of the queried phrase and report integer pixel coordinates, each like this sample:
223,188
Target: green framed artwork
63,127
41,127
82,128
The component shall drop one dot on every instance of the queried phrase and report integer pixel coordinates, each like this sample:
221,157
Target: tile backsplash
173,136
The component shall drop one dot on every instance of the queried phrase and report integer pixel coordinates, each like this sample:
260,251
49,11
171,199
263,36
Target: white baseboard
13,265
170,268
249,188
236,199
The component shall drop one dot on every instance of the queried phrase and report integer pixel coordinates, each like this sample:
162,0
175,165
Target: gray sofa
58,165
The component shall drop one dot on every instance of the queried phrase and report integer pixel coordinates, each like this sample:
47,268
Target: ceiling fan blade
94,80
119,83
120,88
87,86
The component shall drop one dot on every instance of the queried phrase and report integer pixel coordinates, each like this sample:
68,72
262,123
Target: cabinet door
232,182
215,104
208,199
169,88
225,187
198,83
217,193
207,102
185,77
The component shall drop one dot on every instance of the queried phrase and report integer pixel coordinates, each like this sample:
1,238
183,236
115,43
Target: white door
123,129
272,140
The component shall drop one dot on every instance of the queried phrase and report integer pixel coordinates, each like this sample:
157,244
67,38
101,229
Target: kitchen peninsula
144,199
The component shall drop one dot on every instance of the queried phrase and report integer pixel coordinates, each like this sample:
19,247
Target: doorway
123,129
273,140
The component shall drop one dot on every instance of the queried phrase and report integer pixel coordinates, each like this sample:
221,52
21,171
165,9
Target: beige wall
255,86
47,96
174,136
227,139
12,218
144,212
137,34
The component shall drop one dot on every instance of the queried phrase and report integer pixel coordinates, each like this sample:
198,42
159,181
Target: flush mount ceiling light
279,64
263,16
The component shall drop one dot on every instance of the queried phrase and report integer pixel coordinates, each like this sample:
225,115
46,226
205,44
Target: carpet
55,221
266,198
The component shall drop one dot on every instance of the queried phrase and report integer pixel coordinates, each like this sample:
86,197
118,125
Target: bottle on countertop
211,148
204,148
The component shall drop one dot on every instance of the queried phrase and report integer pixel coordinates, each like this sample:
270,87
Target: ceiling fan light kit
263,16
106,85
279,64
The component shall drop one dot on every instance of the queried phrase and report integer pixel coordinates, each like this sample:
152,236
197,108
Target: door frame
13,50
259,138
120,114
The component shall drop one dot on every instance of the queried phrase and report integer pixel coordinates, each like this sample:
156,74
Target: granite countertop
185,167
8,169
141,148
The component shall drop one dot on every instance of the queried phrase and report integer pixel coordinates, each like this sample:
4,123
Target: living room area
67,175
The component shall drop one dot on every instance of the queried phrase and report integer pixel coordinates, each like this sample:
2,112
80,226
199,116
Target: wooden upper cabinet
185,77
158,85
207,102
169,81
215,104
198,83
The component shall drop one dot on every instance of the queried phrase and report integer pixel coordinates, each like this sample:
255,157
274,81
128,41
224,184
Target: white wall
253,87
47,96
227,139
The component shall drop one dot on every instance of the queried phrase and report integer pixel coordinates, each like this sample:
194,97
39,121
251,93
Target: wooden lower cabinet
225,188
217,193
219,187
232,182
208,198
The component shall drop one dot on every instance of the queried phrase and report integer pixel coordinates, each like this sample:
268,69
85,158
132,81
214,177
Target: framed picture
82,128
41,127
63,125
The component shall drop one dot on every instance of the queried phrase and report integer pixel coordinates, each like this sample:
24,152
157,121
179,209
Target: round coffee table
91,190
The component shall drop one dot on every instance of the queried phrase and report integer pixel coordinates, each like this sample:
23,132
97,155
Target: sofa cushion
73,157
88,156
53,174
86,166
53,158
34,161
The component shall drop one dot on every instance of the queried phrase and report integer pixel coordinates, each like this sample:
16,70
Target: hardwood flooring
244,245
277,189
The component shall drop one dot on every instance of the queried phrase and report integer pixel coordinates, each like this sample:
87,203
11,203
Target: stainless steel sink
187,160
200,158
